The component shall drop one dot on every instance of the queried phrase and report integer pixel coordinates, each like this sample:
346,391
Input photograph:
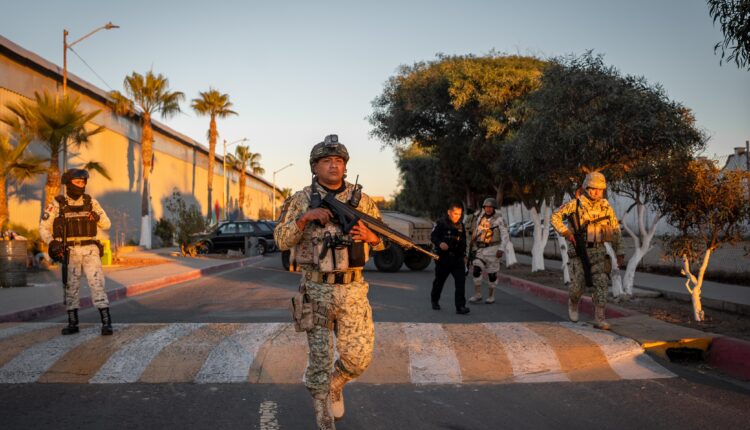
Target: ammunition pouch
56,251
333,277
308,314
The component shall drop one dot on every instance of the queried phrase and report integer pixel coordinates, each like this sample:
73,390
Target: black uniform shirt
452,234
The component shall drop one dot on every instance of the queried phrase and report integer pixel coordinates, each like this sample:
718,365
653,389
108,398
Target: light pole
224,192
66,46
273,197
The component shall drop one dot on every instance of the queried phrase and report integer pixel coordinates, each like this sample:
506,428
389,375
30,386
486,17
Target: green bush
187,220
165,230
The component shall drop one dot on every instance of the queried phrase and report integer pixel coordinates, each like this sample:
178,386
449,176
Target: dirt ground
671,311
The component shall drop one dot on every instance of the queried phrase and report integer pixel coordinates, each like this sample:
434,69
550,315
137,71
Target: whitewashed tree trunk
642,245
695,284
615,274
563,245
510,254
541,235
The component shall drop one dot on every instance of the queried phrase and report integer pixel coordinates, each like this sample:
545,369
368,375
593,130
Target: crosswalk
405,353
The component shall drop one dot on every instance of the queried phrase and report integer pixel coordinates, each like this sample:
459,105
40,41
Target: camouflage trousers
85,260
601,266
353,328
487,259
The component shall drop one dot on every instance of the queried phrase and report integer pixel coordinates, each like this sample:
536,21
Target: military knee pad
477,272
492,277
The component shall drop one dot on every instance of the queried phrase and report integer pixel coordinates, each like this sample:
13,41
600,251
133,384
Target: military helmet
490,201
595,180
71,174
330,146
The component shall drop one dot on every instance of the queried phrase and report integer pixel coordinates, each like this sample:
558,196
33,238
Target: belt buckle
76,243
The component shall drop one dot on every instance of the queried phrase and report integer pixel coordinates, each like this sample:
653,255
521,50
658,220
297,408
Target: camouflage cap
490,201
595,180
71,174
330,146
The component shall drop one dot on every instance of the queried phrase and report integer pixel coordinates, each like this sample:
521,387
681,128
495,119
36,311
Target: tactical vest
594,216
328,249
75,219
488,231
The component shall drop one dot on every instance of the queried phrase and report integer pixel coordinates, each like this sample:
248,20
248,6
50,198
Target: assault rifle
348,217
580,234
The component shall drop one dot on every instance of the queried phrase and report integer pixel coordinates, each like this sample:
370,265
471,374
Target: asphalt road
694,399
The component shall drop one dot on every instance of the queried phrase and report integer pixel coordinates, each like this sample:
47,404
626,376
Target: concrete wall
179,162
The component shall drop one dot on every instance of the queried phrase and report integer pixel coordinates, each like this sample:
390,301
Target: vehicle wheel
389,259
261,247
415,260
285,255
203,248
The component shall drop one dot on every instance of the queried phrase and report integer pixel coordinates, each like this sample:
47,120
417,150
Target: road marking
33,362
128,363
268,416
431,359
230,361
16,329
532,358
390,359
480,353
280,360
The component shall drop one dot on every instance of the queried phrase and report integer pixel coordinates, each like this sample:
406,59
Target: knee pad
492,277
477,272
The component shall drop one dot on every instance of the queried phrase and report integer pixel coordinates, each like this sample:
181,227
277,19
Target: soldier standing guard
333,290
80,215
488,239
591,222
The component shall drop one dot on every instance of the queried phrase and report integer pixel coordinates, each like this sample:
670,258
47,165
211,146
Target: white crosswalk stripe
416,353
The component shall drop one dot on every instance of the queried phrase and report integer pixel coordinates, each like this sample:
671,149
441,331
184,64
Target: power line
92,70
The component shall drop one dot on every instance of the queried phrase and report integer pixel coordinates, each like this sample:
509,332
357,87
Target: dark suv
231,235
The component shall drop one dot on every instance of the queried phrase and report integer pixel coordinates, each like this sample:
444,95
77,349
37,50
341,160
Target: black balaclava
74,192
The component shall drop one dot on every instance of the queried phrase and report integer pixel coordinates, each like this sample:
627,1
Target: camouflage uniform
606,229
489,234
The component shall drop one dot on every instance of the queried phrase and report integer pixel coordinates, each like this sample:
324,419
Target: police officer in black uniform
449,238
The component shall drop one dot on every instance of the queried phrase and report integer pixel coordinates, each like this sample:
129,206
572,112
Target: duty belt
594,244
486,245
334,277
83,242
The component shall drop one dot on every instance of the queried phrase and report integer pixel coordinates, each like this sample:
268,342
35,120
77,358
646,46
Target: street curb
585,306
127,291
731,356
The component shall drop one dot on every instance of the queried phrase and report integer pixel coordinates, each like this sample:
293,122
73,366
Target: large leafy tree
144,96
734,18
16,166
53,121
213,104
460,110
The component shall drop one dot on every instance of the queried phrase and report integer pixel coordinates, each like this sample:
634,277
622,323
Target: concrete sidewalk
43,297
665,340
715,295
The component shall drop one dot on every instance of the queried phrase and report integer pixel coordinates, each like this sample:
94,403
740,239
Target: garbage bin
12,263
107,256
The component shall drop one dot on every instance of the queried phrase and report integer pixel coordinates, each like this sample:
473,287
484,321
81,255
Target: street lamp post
273,197
66,46
224,192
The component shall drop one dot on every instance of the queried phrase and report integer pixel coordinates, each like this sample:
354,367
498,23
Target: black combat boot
72,327
106,322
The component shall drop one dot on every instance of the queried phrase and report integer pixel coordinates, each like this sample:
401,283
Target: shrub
187,220
165,230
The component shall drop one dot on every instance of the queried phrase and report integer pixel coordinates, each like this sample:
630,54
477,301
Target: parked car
231,235
526,229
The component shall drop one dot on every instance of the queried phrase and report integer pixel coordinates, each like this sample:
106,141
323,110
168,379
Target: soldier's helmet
595,180
71,174
490,201
330,146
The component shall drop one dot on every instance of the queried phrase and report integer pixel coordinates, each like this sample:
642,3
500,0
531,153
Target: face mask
74,192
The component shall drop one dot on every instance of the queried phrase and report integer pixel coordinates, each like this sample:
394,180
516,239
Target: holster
302,312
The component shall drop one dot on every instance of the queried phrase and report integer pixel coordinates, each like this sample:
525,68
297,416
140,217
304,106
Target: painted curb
731,356
127,291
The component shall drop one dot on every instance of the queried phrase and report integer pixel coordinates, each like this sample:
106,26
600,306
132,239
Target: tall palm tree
53,120
215,105
285,193
17,166
144,96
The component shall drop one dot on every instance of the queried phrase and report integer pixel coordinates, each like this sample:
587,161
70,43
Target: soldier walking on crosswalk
333,292
69,227
489,236
591,222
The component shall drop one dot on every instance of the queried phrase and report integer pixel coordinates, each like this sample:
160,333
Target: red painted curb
731,356
124,292
586,306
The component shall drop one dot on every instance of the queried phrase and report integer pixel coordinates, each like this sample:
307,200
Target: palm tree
214,104
145,96
53,120
285,193
16,166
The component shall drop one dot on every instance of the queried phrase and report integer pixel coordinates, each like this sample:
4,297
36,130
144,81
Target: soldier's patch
45,217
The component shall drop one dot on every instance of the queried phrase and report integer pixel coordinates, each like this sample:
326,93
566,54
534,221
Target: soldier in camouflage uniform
597,217
81,215
332,280
489,236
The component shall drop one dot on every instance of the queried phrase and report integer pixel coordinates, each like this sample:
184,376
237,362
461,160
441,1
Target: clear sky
298,70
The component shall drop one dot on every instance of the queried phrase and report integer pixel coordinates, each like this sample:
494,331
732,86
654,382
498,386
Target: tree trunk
52,186
563,245
541,235
695,290
642,246
147,154
211,160
242,193
510,252
614,274
4,213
